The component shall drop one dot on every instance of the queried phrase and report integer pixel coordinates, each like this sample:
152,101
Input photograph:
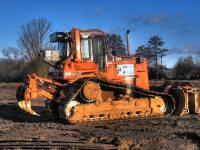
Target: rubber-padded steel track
136,92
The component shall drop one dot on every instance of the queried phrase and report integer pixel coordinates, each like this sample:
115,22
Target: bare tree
34,36
12,53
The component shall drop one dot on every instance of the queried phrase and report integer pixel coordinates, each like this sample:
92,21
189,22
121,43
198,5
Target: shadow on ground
11,111
194,137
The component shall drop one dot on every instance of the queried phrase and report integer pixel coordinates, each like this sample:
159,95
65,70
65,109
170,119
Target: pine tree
115,44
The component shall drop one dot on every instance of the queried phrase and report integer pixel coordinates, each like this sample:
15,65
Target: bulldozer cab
92,46
93,49
85,52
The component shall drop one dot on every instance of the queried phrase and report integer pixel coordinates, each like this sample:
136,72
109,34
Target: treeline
12,70
187,67
23,59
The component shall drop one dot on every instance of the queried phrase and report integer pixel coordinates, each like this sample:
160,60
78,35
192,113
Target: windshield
99,52
93,49
85,48
64,49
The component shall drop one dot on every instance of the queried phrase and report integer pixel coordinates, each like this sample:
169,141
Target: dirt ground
21,130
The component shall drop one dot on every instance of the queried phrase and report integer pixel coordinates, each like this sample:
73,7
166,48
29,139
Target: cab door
98,49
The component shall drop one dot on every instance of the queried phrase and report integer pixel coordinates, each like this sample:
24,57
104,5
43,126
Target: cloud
98,11
177,21
120,29
185,31
116,30
149,20
192,49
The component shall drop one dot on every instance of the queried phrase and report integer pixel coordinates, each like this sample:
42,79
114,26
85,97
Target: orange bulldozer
86,83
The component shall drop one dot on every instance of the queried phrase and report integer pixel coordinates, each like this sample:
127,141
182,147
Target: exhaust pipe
128,42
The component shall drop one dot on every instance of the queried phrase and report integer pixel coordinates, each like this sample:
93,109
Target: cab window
99,52
85,48
64,49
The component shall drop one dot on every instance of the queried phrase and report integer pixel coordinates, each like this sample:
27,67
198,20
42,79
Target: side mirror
51,56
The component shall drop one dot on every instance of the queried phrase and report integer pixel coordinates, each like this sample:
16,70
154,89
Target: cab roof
92,32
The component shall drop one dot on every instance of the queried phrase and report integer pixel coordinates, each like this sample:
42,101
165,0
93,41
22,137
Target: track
74,95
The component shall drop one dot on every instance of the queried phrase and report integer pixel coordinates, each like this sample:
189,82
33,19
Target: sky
177,22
